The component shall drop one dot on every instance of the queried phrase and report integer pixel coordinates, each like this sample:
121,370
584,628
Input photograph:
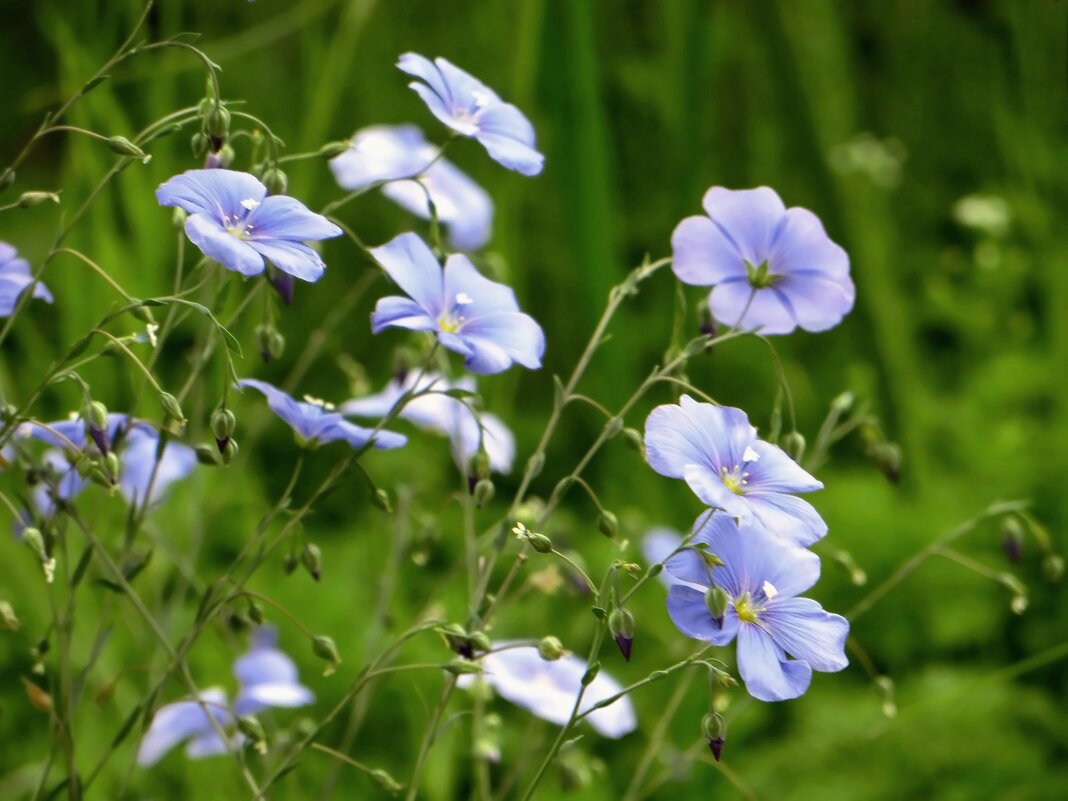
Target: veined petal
750,217
818,303
788,517
802,246
294,258
703,255
357,436
174,723
711,491
481,355
511,154
805,631
774,471
217,243
515,333
688,611
768,675
398,312
739,305
412,266
472,293
298,415
282,217
463,88
217,194
696,433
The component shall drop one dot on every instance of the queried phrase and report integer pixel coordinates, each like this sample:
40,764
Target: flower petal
282,217
788,517
412,266
518,335
179,721
739,305
398,312
702,254
217,194
139,469
802,246
753,555
296,414
749,217
217,243
805,631
688,611
479,295
774,471
294,258
818,303
768,675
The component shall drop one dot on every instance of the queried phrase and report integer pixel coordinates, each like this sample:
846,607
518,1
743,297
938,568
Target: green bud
255,613
124,147
178,218
634,440
331,149
550,648
385,781
289,564
199,145
111,465
483,492
276,181
480,641
250,726
714,731
8,618
709,558
535,465
843,403
32,536
97,415
312,559
480,464
217,122
144,314
463,667
656,569
171,406
223,158
716,599
621,627
325,648
887,457
229,451
1053,567
223,422
793,442
27,200
380,498
608,524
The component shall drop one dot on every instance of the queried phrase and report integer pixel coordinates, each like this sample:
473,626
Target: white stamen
49,566
750,455
249,203
319,402
481,99
769,590
463,299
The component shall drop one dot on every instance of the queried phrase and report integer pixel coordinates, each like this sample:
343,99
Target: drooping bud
96,419
480,464
463,667
312,559
793,442
716,599
124,147
714,730
621,627
608,524
250,726
199,144
171,407
255,613
111,468
27,200
887,457
276,181
289,564
550,648
207,456
1053,567
480,641
483,493
325,648
217,124
272,343
223,422
380,498
1012,538
33,538
230,451
385,781
332,149
539,542
634,440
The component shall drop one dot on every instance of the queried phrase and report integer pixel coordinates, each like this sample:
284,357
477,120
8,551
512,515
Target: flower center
452,321
745,608
734,479
760,277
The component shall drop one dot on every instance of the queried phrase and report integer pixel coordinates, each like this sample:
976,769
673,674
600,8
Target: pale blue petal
139,464
282,217
738,305
422,67
805,631
791,518
698,434
749,217
709,488
483,296
515,333
768,675
689,612
302,417
703,255
802,246
753,556
294,258
412,266
217,243
398,312
774,471
177,722
818,303
217,194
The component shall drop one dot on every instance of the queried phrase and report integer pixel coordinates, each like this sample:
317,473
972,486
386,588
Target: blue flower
470,314
232,220
716,451
452,417
315,423
394,155
15,276
185,720
762,577
139,470
657,545
268,677
549,689
773,268
472,109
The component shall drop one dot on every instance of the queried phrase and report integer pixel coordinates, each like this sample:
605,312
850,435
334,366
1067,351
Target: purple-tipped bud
714,730
1012,538
621,626
284,284
716,599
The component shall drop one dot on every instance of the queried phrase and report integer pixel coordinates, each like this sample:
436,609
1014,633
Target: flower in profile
772,268
316,423
232,220
141,478
471,315
757,588
443,414
474,110
15,277
268,677
717,452
413,176
519,674
188,720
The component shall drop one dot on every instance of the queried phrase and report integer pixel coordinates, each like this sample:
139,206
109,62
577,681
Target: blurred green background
879,115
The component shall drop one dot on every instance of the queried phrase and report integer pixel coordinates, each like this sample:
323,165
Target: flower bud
380,498
199,144
550,648
480,641
714,730
255,613
793,442
220,159
230,451
272,343
621,627
463,667
843,402
289,564
483,493
217,123
276,181
223,422
591,674
171,406
312,559
634,440
207,456
887,457
111,467
1012,538
608,524
27,200
332,149
716,599
32,536
1053,567
325,648
250,726
385,781
8,619
124,147
480,464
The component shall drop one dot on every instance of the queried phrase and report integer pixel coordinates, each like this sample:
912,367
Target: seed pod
483,493
171,406
217,122
276,181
